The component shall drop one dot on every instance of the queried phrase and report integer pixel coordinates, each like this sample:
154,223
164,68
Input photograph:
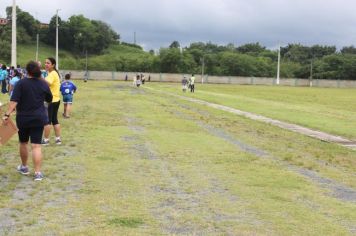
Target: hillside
117,57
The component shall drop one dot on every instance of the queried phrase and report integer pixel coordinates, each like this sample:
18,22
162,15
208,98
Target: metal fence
176,78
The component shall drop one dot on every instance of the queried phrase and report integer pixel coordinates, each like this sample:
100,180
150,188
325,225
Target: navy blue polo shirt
30,95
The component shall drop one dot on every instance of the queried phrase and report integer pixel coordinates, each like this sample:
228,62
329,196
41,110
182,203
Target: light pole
311,73
278,64
202,69
13,41
37,41
37,38
57,38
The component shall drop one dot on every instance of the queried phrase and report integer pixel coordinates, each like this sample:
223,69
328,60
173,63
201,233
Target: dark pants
192,88
53,113
3,86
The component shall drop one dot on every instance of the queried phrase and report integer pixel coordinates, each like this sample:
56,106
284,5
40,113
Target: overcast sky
158,23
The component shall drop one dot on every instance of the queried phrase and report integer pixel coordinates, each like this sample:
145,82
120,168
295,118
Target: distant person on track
28,98
184,84
54,83
68,88
192,83
143,78
138,81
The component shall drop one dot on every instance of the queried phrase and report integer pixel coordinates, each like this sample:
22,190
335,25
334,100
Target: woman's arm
11,108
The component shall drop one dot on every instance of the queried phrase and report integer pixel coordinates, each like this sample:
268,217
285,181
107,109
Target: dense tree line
253,59
80,35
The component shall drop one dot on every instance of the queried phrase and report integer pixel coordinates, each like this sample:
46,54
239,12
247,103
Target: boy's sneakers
23,170
58,141
45,142
38,176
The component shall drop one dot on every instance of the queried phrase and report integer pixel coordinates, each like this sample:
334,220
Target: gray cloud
159,22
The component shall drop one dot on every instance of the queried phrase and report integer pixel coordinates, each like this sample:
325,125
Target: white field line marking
284,125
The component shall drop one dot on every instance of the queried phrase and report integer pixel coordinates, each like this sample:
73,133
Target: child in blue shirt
3,77
67,89
14,81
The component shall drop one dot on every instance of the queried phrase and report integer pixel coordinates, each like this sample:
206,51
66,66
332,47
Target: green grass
138,162
112,59
327,109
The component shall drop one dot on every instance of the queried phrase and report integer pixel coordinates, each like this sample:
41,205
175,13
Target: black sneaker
58,141
23,170
38,176
45,142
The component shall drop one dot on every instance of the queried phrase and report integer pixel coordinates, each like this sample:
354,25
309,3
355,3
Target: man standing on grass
192,81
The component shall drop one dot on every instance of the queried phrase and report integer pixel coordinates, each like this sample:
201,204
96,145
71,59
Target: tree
170,59
174,44
348,50
24,20
251,48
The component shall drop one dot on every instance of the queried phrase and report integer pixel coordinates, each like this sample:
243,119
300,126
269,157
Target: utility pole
135,37
37,40
86,60
86,74
13,41
311,74
57,38
202,70
278,64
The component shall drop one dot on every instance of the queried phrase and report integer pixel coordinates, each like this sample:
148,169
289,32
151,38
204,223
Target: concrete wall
176,78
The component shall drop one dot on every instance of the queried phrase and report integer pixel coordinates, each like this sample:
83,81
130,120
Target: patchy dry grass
136,162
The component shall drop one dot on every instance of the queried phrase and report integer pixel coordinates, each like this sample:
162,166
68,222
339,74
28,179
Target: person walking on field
68,88
54,84
192,81
184,84
138,80
28,99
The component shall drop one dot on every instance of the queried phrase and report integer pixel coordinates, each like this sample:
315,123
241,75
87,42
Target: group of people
188,84
138,80
8,76
36,100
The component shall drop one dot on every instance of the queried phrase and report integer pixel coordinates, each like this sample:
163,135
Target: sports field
137,161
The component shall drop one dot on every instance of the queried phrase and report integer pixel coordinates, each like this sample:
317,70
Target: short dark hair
33,69
67,76
17,73
3,67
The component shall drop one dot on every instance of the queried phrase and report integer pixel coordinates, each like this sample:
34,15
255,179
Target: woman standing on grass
54,84
28,98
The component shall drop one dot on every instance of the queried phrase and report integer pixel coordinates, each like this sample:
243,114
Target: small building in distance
3,21
44,26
